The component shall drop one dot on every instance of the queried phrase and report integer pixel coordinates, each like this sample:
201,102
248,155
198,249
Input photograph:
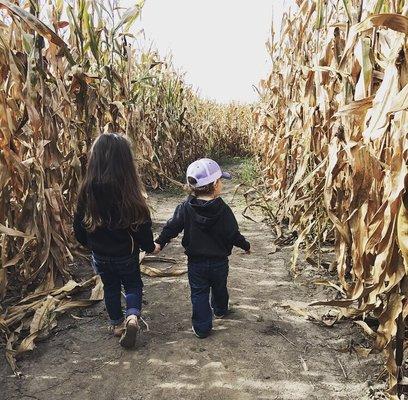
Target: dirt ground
263,350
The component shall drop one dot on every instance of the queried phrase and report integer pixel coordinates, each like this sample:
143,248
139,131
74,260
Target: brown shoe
132,329
117,330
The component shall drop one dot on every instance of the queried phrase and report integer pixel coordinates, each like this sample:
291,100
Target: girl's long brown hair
111,191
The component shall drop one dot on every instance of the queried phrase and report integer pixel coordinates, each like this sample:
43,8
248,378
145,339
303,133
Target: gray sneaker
199,334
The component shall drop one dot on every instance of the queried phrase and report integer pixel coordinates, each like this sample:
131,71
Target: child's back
210,229
113,242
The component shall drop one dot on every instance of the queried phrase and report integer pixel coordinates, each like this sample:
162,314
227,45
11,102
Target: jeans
204,276
115,272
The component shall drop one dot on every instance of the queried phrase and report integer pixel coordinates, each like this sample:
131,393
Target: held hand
157,249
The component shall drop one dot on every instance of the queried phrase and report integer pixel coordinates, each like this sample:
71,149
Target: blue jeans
204,276
115,272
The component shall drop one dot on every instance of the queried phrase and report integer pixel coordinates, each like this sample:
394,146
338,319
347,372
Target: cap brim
226,175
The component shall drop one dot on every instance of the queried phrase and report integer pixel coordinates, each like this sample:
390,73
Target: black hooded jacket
210,229
113,242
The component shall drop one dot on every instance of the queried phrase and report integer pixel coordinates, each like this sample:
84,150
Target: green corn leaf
320,11
347,9
129,17
378,6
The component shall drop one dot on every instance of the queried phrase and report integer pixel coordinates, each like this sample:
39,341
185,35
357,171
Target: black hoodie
210,229
113,242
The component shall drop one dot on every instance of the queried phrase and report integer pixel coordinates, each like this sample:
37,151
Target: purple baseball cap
205,171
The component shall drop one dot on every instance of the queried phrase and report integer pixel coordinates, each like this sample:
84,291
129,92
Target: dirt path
262,351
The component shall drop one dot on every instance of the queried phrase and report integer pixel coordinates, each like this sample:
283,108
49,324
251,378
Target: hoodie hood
205,213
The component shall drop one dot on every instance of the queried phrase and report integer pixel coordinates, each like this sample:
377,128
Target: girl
113,221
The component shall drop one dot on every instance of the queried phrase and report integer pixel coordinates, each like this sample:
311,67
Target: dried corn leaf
349,117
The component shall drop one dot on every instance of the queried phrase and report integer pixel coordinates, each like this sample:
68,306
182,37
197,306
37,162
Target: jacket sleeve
79,229
173,227
144,237
236,238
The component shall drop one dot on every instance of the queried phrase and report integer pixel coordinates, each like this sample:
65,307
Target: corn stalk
332,139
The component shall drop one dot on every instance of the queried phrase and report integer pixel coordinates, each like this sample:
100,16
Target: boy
210,232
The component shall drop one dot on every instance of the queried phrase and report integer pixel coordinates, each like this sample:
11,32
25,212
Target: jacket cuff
151,249
161,241
247,246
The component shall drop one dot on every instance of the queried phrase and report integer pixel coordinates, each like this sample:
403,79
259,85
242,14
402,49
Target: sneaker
118,330
220,316
199,334
128,339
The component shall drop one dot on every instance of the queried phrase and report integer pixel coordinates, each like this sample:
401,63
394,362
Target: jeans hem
218,313
132,311
117,321
202,327
202,331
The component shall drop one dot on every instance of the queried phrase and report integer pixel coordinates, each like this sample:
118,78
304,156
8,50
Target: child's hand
157,248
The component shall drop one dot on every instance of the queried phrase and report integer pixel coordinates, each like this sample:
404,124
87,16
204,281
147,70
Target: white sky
220,44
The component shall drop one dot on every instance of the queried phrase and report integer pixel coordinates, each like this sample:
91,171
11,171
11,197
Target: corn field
329,134
69,71
331,138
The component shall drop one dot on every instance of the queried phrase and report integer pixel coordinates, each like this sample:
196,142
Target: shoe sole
128,339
